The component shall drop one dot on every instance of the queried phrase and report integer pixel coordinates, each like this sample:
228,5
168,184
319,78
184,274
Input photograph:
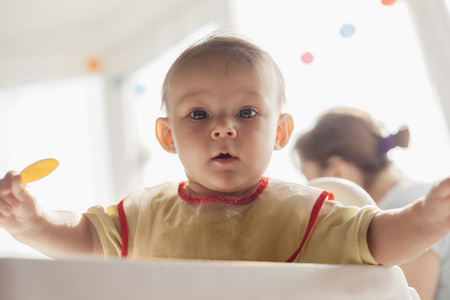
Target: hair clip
387,143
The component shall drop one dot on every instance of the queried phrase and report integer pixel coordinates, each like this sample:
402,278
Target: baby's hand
17,206
436,206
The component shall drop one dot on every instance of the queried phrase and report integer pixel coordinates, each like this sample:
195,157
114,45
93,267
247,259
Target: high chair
89,278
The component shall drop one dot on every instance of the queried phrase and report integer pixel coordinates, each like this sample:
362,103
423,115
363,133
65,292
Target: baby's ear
164,135
284,131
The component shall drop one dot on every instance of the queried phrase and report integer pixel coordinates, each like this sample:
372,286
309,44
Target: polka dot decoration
388,2
347,30
139,89
307,58
93,65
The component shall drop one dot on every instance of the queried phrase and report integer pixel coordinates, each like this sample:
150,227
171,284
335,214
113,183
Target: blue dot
347,30
139,89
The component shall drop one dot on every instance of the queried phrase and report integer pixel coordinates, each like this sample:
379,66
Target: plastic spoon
38,170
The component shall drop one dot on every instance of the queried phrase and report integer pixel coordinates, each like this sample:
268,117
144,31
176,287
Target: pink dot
307,57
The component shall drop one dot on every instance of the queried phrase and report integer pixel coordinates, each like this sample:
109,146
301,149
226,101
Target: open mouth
225,158
224,155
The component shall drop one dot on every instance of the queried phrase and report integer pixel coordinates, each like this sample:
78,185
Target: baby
223,98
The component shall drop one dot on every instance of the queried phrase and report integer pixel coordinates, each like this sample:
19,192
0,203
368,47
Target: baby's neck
198,190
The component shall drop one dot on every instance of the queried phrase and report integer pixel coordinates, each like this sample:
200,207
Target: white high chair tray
81,279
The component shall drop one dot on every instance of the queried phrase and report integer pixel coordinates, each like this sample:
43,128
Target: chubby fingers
8,200
441,190
437,205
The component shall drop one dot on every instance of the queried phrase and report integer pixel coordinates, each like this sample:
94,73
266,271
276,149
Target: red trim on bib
218,198
123,228
312,219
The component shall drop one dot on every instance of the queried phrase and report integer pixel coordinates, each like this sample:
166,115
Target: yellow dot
93,65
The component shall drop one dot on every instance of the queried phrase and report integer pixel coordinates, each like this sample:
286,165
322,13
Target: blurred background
80,82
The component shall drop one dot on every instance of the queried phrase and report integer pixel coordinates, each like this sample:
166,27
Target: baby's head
235,49
223,97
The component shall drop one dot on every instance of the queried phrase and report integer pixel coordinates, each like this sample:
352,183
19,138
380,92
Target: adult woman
346,143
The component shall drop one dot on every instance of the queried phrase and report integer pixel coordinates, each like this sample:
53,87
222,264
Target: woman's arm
422,273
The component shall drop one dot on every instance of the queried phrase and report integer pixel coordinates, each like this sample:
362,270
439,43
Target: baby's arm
51,233
397,236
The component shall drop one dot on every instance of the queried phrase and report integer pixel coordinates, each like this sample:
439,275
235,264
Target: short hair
237,48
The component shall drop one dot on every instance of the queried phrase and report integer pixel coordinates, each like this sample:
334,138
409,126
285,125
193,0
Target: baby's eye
198,114
246,113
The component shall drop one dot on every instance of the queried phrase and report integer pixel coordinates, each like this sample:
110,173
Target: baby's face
223,116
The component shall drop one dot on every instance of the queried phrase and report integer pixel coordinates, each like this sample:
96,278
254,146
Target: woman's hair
236,48
351,134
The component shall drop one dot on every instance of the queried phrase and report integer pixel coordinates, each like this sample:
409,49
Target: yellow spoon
38,170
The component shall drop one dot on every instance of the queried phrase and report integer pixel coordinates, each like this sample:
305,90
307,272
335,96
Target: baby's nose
224,131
